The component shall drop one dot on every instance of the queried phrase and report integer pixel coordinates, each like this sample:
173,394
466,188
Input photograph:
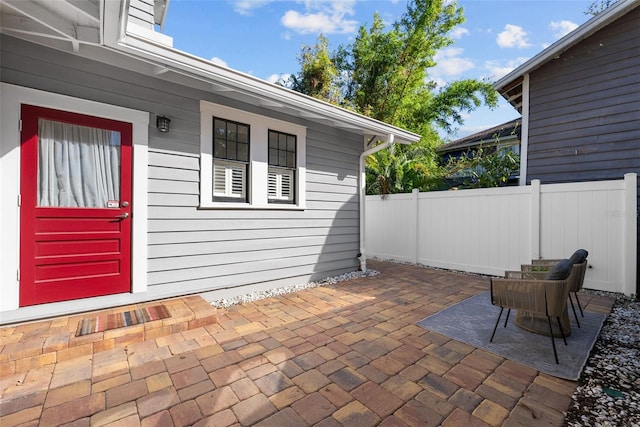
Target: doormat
471,321
106,322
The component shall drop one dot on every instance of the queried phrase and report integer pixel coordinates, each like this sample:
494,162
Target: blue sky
264,37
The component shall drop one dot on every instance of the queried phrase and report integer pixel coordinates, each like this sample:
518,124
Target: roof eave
585,30
268,93
160,8
447,148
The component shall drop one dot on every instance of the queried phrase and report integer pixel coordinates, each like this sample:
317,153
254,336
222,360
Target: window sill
247,206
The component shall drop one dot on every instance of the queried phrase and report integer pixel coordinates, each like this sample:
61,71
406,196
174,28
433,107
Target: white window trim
257,185
11,100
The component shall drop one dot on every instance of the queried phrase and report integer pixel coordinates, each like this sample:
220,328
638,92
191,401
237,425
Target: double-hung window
249,160
230,160
282,167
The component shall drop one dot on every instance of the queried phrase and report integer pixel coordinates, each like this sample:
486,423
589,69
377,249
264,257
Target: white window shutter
272,185
237,181
287,185
229,179
219,180
280,184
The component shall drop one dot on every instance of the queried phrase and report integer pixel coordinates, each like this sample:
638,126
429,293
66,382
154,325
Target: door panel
75,234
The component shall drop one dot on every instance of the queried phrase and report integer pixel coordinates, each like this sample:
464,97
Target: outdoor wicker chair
530,292
579,260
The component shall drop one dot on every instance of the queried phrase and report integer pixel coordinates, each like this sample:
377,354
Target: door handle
123,216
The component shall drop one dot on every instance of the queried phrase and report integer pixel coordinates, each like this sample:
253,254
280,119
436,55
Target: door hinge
20,125
19,200
18,274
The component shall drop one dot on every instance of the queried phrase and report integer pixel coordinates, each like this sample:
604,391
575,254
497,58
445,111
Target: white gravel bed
609,390
255,296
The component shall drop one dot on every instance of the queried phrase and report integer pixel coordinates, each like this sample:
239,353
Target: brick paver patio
350,354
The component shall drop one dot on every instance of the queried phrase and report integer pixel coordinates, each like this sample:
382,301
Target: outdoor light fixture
162,123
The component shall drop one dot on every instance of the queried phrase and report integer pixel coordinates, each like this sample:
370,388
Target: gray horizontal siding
218,248
141,13
261,265
231,242
236,281
584,121
216,236
585,108
192,249
41,68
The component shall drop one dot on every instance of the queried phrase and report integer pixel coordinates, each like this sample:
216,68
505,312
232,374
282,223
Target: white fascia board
161,8
582,32
195,67
151,35
111,26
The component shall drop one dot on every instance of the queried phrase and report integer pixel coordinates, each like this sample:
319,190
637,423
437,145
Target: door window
78,166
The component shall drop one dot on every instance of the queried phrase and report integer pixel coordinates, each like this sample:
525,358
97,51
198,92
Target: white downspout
524,131
363,183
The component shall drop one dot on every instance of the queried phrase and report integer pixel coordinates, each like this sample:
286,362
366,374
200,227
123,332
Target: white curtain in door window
78,166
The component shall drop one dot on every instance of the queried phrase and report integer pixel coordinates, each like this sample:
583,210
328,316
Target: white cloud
219,61
451,63
275,78
245,7
513,36
471,129
498,70
458,32
439,82
562,28
322,16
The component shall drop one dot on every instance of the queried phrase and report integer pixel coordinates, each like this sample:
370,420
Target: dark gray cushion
560,271
579,256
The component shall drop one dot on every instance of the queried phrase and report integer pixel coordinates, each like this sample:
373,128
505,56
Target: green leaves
485,167
384,75
400,169
445,107
319,74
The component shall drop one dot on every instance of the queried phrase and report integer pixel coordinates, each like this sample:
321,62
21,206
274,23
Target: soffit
52,21
508,132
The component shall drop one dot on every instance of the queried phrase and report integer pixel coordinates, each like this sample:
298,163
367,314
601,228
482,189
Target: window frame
230,165
258,167
279,171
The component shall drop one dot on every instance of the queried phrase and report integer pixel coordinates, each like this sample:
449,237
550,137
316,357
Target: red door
75,223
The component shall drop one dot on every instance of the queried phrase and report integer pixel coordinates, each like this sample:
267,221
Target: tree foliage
318,73
400,170
384,74
485,167
599,6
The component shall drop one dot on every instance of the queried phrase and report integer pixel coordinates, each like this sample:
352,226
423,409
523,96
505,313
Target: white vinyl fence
496,229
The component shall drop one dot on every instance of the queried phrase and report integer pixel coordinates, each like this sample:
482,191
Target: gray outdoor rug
471,321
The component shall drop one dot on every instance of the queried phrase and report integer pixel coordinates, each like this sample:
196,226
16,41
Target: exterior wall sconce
162,123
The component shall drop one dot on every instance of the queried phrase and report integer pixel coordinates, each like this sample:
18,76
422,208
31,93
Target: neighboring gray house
505,136
132,171
580,102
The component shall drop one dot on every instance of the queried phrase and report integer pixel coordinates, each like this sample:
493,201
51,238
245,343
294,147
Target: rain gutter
362,193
